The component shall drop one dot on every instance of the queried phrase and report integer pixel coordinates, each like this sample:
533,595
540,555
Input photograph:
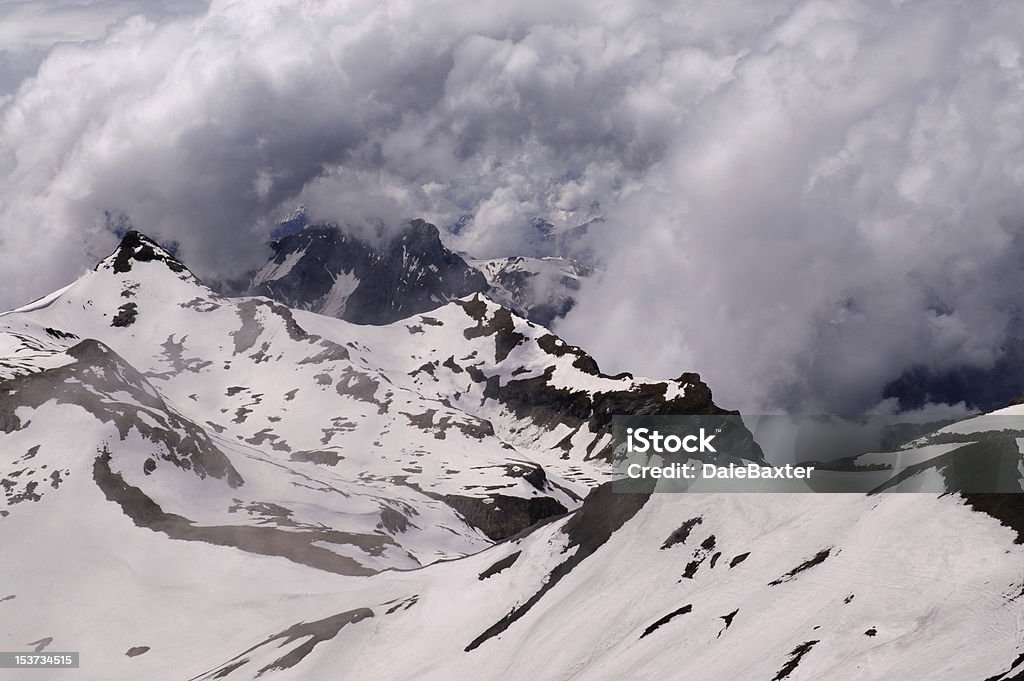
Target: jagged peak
368,275
377,237
137,247
420,228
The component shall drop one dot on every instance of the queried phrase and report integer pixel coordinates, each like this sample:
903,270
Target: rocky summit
326,270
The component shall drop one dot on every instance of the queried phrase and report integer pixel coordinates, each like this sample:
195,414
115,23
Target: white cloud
30,28
847,203
802,198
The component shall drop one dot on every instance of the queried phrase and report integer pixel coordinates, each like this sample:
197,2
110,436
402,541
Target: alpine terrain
379,464
322,268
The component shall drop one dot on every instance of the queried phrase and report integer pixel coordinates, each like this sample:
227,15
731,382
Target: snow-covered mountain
326,270
201,487
540,289
322,268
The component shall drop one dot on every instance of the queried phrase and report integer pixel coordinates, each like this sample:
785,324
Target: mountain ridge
321,267
436,486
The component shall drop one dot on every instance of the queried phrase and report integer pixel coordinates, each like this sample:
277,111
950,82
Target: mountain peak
421,229
324,269
137,247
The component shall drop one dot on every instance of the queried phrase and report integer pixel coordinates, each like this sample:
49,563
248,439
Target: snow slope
228,488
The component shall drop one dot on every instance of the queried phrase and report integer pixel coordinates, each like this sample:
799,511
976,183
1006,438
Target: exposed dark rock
472,427
1004,676
403,604
699,556
1007,508
55,479
681,534
63,335
126,315
502,327
499,516
411,273
738,559
27,494
500,565
817,559
530,472
321,456
136,247
393,521
795,656
666,619
538,400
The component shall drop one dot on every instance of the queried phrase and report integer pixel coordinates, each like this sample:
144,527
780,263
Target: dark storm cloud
800,199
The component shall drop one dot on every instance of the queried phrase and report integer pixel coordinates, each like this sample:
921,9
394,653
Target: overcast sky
800,199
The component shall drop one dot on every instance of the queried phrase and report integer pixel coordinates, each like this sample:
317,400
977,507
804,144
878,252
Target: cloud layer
800,199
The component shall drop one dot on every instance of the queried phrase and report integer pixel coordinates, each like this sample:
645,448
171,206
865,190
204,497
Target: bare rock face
136,247
325,270
322,268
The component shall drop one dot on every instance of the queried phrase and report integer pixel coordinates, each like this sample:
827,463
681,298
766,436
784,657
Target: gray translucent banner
730,453
44,660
